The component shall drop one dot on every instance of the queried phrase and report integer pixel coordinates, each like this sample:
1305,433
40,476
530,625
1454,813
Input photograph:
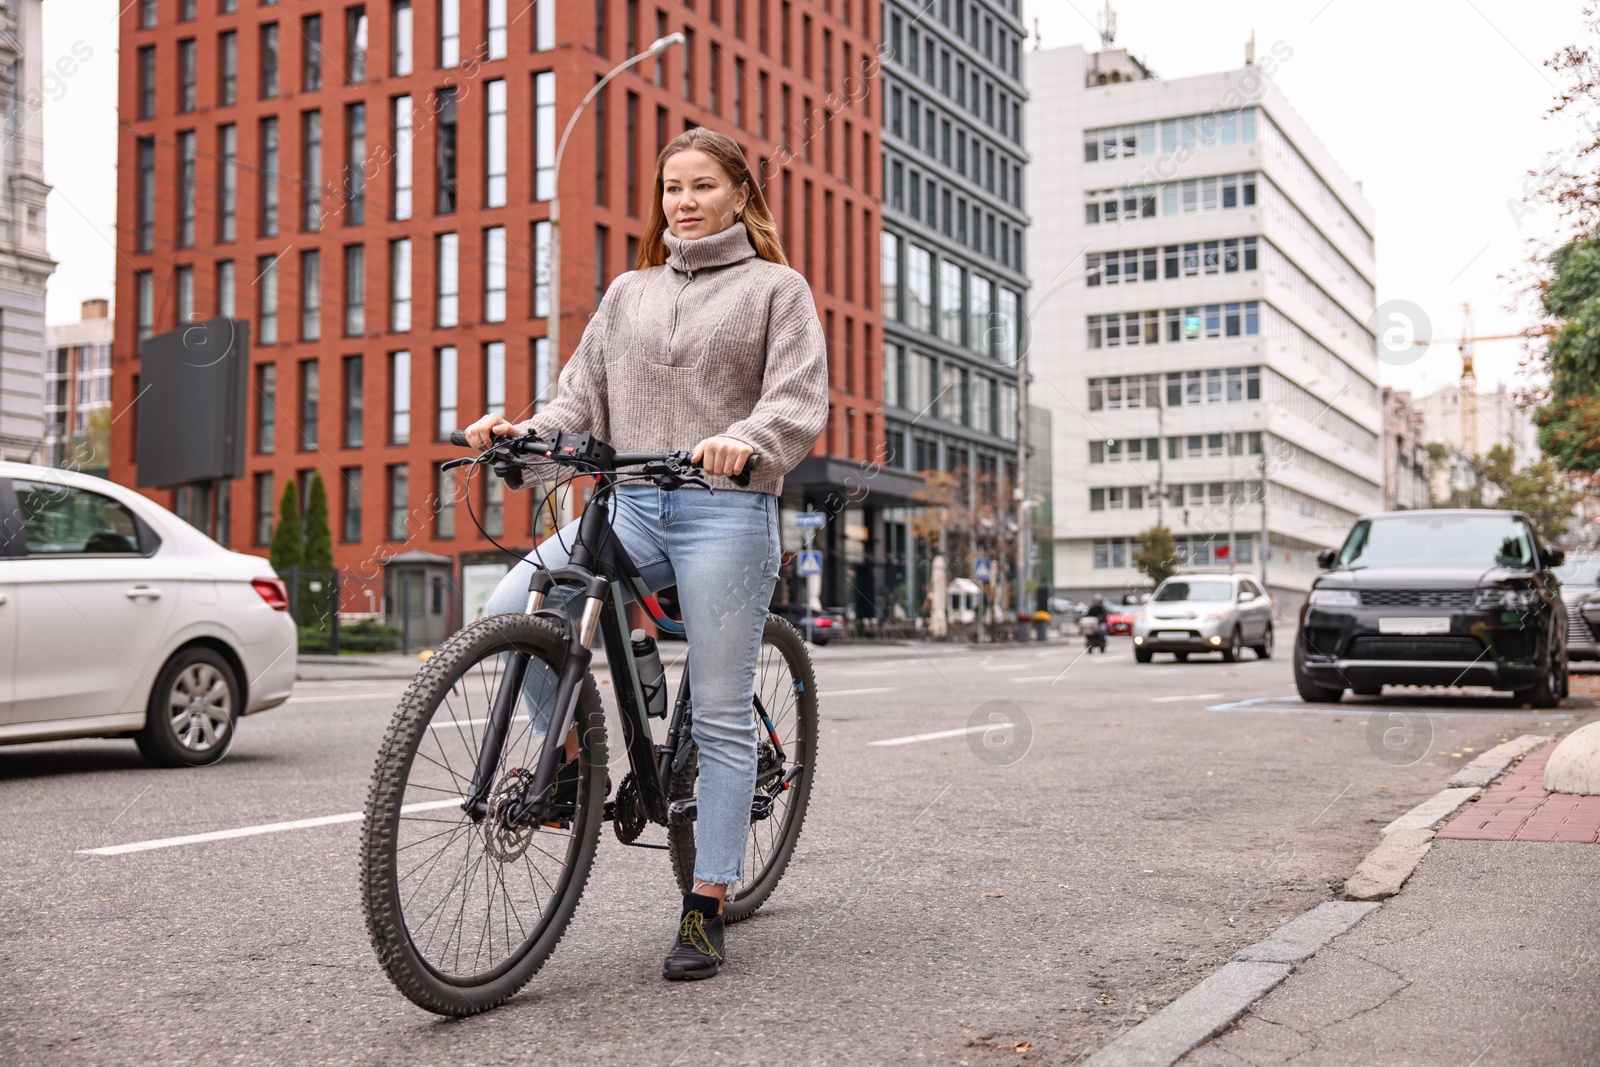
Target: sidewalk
320,667
1486,957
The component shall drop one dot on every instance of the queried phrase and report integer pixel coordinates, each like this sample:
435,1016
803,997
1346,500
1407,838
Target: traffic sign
810,563
980,568
810,520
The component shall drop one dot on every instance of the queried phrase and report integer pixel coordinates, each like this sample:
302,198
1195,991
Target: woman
710,344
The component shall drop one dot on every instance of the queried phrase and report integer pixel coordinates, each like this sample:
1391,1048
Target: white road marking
1036,678
1192,696
944,733
251,831
340,696
1007,667
451,724
854,692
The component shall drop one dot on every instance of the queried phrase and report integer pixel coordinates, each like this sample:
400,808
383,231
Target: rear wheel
193,707
463,912
786,691
1547,693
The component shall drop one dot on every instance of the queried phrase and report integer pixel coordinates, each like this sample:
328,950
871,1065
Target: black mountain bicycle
484,812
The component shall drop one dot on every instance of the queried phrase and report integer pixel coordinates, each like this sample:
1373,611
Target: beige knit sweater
717,341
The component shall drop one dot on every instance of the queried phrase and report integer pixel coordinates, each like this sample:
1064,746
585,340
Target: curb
1208,1008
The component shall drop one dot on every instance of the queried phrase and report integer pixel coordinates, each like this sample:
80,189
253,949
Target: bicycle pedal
681,811
760,807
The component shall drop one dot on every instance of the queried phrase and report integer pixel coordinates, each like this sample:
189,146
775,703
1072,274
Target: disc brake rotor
505,841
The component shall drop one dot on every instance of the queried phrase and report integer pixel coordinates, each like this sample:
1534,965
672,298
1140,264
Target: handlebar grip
750,465
459,439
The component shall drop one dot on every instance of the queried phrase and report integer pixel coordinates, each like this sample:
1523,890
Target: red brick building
368,185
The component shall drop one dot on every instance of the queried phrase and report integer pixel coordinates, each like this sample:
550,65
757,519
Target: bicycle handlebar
530,446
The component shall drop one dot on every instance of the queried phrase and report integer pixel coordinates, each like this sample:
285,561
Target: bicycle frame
599,565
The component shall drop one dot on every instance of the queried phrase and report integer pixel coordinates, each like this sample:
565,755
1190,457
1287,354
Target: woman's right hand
481,434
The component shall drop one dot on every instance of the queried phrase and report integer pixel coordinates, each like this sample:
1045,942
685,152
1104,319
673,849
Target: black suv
1443,597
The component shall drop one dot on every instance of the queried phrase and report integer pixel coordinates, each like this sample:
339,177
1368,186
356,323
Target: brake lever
465,461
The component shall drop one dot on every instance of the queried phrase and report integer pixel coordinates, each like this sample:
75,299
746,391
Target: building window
225,288
266,286
400,121
445,162
227,182
399,487
495,144
919,288
311,171
544,135
447,280
541,270
889,274
494,506
310,295
355,43
449,32
495,29
350,513
950,304
147,81
400,285
147,194
444,495
446,386
266,408
494,274
264,502
544,25
184,279
186,74
145,291
980,295
186,164
228,68
310,403
544,374
401,59
494,377
311,53
399,398
354,402
268,176
355,164
269,60
355,290
147,14
894,375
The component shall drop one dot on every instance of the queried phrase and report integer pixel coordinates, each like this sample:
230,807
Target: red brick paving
1517,808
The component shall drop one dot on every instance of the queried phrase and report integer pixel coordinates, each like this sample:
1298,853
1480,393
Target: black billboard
192,402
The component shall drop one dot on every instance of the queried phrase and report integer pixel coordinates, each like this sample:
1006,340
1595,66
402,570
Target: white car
119,619
1204,612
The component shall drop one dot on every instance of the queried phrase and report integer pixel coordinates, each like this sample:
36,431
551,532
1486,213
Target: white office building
25,264
1202,280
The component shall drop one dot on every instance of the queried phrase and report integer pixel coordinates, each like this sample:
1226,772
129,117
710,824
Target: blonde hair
756,216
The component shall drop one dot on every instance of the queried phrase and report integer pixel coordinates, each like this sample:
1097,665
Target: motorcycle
1094,634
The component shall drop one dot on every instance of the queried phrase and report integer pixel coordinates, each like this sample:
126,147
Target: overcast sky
1436,106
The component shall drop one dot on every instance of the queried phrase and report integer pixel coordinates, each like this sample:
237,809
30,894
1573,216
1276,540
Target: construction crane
1468,383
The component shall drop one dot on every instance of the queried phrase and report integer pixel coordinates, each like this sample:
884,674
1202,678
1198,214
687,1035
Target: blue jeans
722,552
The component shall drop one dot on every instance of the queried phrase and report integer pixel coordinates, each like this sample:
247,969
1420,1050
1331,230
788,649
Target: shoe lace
692,932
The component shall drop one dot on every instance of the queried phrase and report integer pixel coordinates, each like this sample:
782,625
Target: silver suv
1204,613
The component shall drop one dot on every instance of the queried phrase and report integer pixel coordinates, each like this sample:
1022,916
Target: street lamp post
553,331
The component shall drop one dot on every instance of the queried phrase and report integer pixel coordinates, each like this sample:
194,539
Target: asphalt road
951,901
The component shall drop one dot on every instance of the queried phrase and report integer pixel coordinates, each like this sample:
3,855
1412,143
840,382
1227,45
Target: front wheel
1264,649
784,719
1309,689
1235,645
1142,655
463,911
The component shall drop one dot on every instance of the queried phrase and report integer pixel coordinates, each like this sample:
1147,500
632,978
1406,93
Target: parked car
1436,597
1204,613
1580,591
118,619
817,626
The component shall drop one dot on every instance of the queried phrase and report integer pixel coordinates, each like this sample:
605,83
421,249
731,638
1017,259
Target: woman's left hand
722,455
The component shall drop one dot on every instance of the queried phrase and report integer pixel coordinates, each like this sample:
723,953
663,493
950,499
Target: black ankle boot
697,953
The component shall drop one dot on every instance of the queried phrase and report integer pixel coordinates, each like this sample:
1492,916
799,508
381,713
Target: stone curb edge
1220,998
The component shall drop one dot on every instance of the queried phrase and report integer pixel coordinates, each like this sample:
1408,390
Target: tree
288,549
1537,489
315,600
1158,554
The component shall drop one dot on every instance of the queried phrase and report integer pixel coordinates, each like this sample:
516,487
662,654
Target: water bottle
652,675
